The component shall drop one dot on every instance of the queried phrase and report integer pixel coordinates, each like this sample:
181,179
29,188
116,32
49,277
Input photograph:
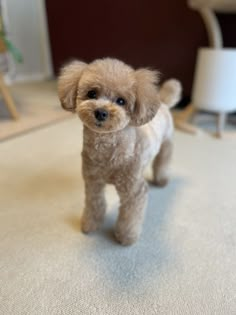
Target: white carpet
184,263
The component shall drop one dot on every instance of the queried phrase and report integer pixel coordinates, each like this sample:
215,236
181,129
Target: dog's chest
108,149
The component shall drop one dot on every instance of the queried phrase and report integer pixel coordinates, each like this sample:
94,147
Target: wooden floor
37,104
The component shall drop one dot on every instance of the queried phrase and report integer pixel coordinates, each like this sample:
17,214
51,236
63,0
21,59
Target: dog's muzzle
101,114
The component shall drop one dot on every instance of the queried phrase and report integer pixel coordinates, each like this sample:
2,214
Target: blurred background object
3,51
31,84
25,23
159,34
214,88
7,46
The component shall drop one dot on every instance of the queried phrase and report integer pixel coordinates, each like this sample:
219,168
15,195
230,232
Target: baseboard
9,79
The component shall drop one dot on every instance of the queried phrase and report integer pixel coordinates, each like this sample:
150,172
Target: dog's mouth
98,124
102,127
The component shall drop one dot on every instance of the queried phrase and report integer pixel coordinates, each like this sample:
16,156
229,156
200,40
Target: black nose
101,114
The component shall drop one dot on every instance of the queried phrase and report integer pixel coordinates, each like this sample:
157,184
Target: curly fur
116,150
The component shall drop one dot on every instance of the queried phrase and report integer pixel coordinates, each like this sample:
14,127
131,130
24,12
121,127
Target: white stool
214,87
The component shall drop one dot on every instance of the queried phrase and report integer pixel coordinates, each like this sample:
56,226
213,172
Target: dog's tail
170,92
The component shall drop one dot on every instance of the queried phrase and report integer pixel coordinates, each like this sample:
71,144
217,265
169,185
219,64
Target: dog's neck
106,147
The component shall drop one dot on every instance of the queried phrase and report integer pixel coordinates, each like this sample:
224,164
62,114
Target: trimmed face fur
109,95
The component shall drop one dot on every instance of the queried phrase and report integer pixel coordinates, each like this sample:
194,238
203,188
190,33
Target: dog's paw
125,239
88,225
160,182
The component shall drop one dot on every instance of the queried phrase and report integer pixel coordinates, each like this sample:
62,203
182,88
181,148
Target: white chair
214,86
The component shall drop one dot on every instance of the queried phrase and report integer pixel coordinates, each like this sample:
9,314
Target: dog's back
160,128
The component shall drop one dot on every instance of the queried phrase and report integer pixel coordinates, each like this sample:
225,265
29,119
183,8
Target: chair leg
8,99
182,120
221,120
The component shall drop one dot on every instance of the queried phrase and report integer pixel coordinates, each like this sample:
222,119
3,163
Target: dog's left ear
147,99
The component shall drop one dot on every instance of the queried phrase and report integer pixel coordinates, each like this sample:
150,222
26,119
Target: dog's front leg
133,199
95,205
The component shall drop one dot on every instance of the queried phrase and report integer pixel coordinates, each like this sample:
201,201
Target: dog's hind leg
161,164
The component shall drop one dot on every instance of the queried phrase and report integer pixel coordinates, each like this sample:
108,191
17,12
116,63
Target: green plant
16,54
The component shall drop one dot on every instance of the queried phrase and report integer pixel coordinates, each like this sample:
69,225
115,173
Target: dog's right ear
68,82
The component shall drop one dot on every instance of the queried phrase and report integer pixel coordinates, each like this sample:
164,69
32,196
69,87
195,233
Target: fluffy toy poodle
127,123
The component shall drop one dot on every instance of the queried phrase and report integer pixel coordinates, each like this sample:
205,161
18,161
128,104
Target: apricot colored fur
116,150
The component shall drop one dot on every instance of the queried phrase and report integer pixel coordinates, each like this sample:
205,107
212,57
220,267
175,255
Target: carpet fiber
184,263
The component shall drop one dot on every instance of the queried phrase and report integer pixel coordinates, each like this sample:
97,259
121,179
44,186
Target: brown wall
160,34
228,26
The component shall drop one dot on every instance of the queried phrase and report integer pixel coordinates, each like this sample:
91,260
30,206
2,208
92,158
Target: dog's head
108,95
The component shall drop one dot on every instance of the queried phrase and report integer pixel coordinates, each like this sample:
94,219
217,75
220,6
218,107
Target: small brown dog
127,123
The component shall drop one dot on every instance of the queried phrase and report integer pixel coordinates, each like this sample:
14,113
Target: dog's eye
92,94
120,101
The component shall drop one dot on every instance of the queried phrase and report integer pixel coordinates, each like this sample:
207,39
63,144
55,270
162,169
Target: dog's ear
147,99
68,82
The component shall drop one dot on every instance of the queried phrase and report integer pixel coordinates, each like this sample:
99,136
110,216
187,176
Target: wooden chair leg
182,120
221,119
8,98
